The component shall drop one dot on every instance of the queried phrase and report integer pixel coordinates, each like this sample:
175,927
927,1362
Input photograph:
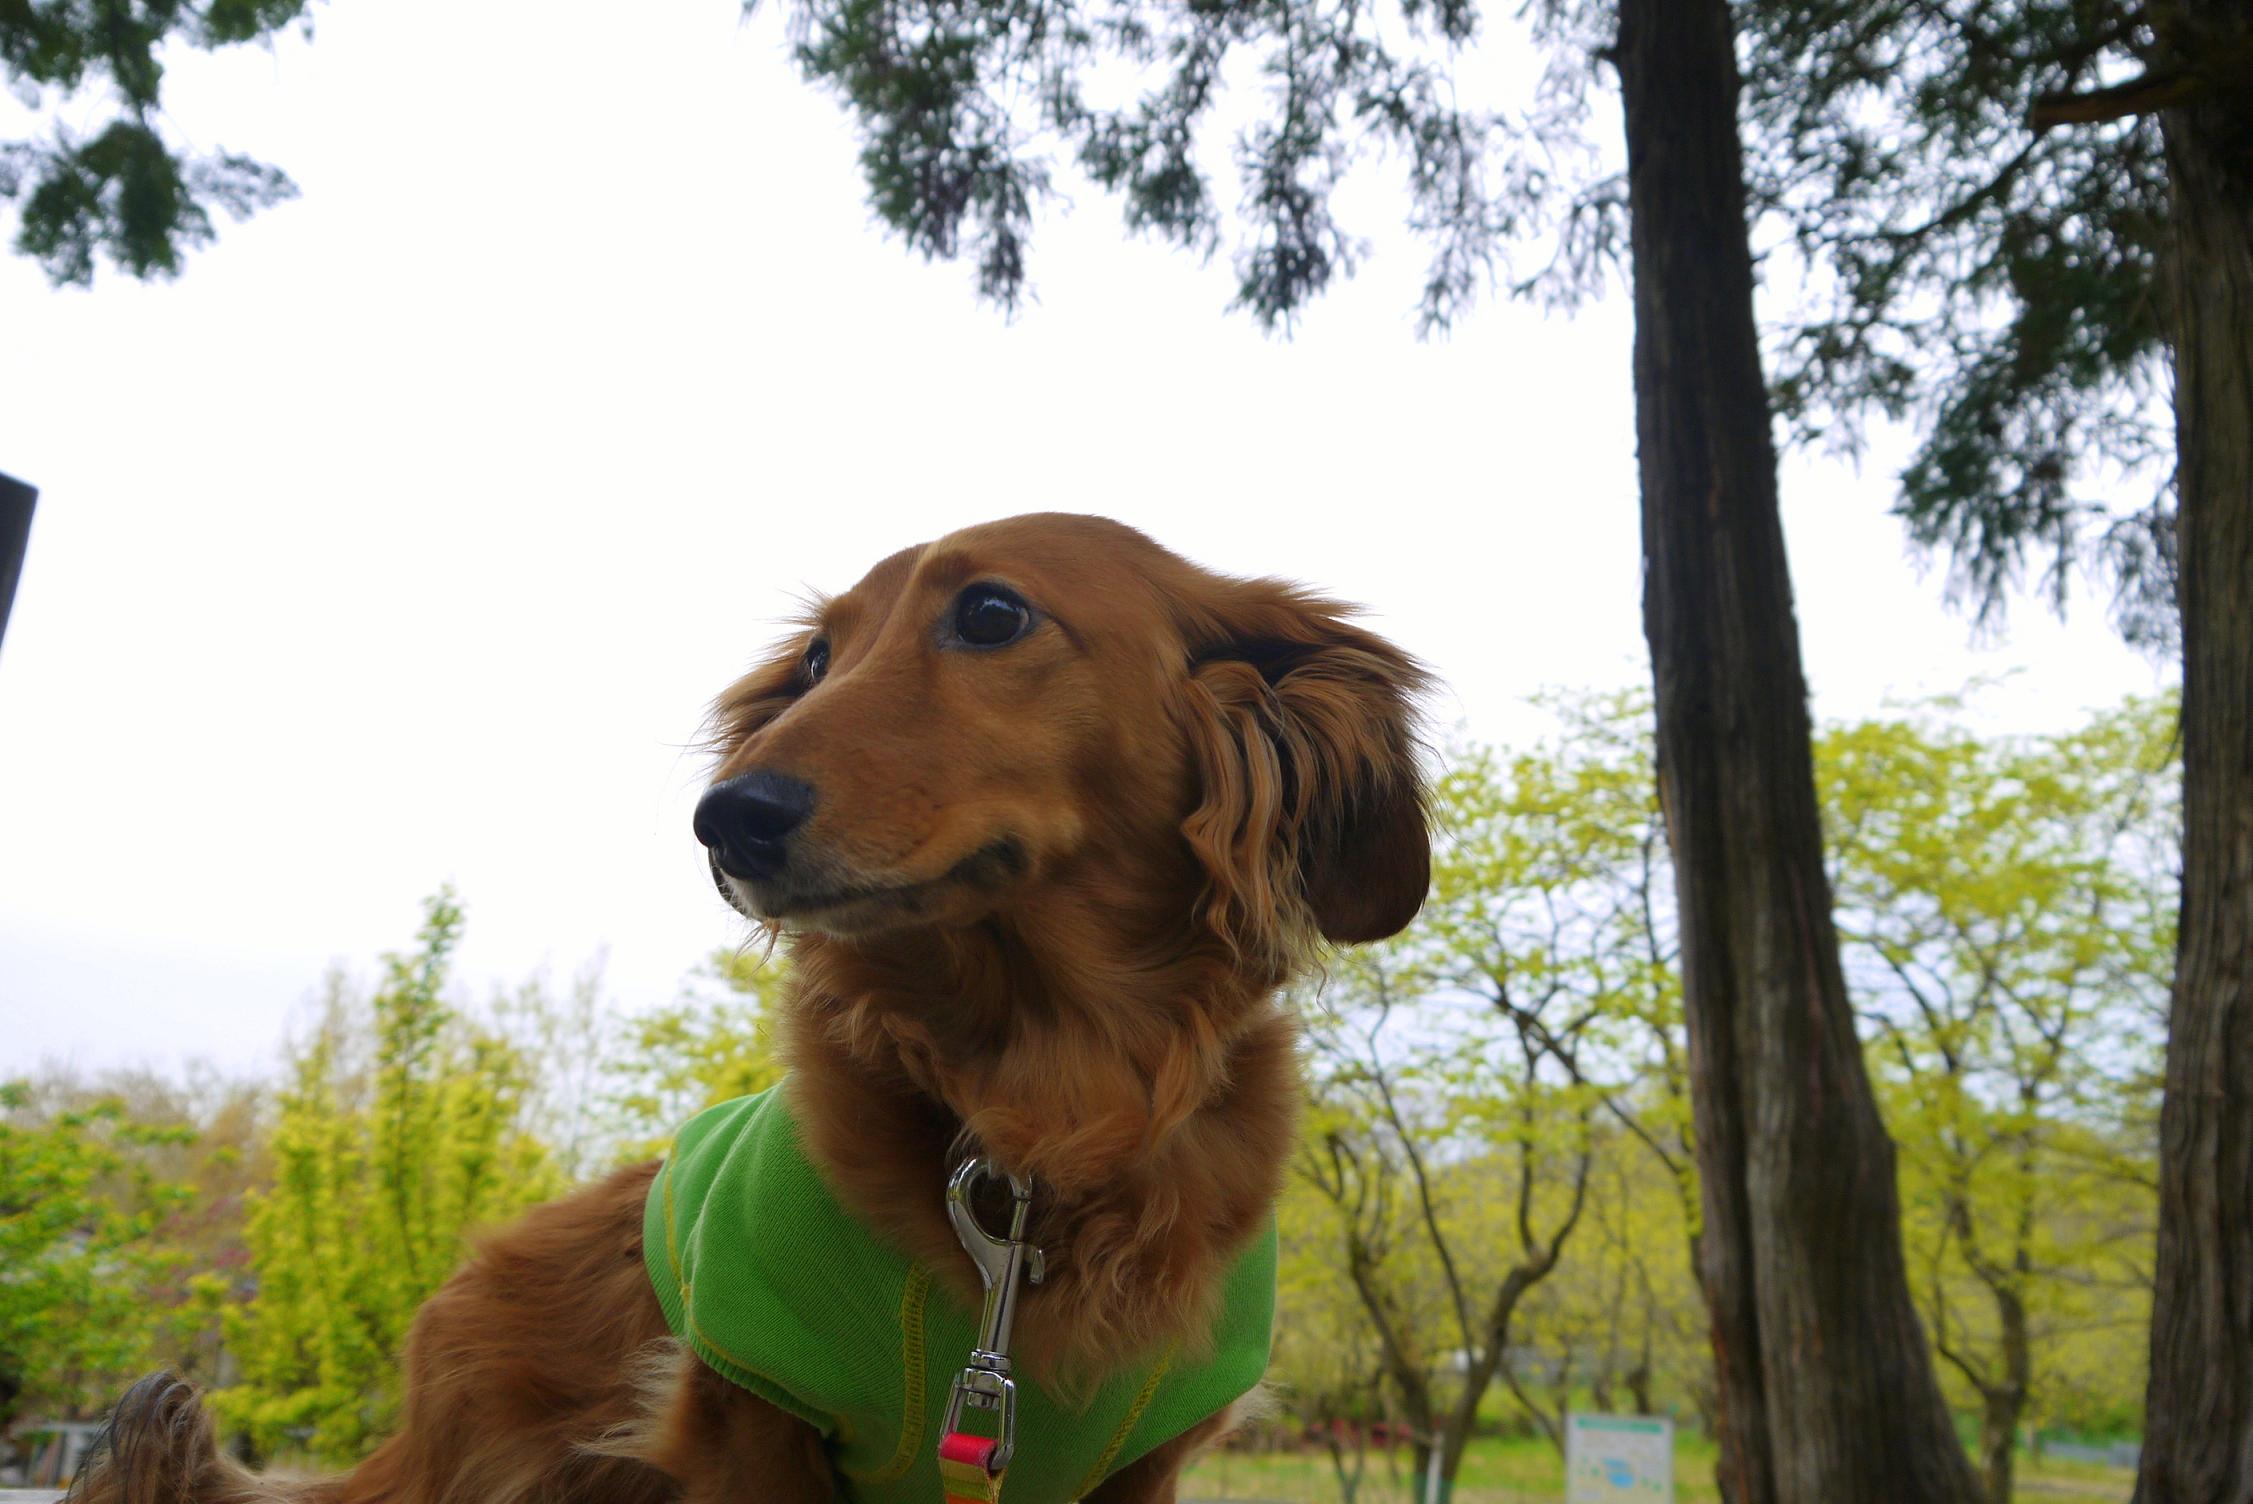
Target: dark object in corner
16,500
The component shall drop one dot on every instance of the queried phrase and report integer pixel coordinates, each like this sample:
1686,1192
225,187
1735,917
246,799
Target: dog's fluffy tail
159,1446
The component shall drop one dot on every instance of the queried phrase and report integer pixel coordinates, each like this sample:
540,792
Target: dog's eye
817,661
988,616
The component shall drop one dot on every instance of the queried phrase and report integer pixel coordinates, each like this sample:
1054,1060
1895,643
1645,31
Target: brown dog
1050,816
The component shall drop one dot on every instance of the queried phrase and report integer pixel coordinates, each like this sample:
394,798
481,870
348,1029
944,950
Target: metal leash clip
985,1383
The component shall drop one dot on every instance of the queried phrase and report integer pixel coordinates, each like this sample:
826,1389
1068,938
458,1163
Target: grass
1500,1470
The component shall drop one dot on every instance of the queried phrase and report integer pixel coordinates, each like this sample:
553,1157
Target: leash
971,1466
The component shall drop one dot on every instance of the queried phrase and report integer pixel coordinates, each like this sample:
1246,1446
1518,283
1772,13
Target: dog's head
1054,708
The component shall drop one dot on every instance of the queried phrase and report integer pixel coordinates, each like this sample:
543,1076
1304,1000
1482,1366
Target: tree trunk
1995,1442
2198,1429
1348,1478
2002,1399
1827,1394
2006,1403
1639,1377
1998,1439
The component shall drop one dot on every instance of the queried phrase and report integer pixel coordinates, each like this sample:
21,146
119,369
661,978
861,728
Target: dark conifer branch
2146,94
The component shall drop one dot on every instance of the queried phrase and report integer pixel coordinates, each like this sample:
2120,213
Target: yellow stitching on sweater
697,1335
1102,1466
911,1364
665,1189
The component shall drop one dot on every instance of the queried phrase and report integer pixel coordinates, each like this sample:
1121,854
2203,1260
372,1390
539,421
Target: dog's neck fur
1149,1088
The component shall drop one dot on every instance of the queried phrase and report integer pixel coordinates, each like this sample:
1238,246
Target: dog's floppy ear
1312,800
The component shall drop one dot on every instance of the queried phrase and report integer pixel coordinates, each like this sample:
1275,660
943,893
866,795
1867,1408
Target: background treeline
1495,1211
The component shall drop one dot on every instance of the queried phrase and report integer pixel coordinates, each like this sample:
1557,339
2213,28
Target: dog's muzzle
746,822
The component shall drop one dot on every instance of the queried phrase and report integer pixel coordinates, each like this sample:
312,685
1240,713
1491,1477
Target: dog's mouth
868,904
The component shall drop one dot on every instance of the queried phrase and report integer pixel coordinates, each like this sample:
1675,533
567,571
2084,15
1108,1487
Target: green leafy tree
569,1039
2005,906
715,1044
2006,913
397,1136
2000,286
1326,1362
1449,1202
1556,884
123,186
1582,811
1464,1070
199,1138
1619,1327
964,108
80,1252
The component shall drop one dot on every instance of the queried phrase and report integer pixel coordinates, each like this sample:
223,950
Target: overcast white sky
404,539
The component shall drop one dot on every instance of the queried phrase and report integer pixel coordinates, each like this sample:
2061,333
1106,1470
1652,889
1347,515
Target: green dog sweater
784,1292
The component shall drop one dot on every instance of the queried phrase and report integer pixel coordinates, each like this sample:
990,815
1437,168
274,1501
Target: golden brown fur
1043,905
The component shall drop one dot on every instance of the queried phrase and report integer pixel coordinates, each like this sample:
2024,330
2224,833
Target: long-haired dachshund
1050,816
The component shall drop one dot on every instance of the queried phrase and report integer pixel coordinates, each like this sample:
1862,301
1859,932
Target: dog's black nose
745,821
